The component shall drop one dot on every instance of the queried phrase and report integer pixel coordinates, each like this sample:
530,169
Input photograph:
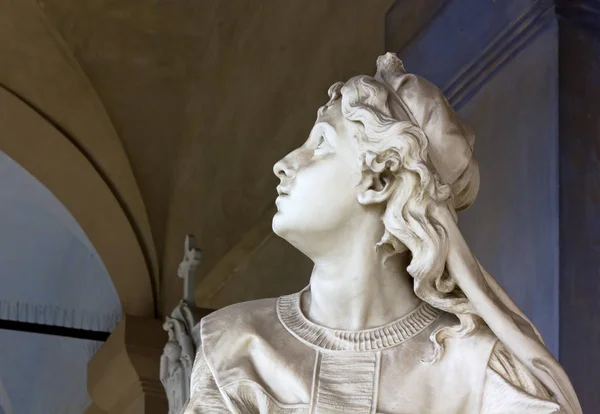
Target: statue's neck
358,291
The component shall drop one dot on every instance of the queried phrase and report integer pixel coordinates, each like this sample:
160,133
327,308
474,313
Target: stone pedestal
123,376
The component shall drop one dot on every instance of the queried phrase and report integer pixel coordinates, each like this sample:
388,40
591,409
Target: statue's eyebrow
323,126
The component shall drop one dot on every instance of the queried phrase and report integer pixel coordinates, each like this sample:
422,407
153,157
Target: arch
48,155
61,97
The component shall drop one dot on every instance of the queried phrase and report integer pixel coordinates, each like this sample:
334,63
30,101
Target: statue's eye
321,142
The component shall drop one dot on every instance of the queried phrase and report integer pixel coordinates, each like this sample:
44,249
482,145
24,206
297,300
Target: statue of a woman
399,317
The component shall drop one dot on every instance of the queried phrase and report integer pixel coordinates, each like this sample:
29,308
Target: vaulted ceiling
203,98
135,123
206,96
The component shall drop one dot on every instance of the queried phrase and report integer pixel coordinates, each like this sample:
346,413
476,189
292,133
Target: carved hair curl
391,146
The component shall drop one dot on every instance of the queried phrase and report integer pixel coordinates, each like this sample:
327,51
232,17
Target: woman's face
319,182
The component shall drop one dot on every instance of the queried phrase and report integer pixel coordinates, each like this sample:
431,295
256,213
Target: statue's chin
286,229
279,225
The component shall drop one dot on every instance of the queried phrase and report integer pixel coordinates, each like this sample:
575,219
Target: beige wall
184,107
270,68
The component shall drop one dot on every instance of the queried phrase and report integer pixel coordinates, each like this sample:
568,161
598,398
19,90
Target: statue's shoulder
237,319
230,327
475,346
233,338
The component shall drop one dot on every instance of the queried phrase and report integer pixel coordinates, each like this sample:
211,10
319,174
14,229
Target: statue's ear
376,188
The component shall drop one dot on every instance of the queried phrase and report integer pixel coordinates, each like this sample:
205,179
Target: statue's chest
346,383
391,382
339,383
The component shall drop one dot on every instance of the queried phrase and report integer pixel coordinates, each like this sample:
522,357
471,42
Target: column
123,376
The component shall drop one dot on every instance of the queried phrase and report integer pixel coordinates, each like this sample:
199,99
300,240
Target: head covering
451,154
450,141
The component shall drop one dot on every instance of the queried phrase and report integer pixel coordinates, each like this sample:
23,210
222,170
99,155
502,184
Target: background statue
178,355
399,317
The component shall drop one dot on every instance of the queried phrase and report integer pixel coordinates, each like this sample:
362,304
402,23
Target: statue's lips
280,198
282,190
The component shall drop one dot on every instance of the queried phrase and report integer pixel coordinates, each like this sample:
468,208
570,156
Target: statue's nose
283,169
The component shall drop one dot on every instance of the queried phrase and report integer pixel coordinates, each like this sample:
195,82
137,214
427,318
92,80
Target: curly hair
388,146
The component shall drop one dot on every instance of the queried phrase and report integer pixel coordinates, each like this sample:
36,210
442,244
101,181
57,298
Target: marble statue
179,352
399,316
